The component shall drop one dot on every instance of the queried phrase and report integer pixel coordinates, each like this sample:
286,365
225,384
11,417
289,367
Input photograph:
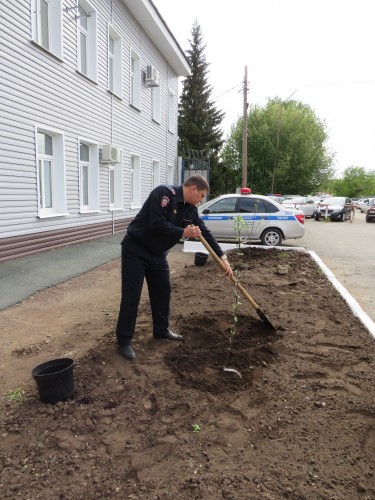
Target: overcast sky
323,50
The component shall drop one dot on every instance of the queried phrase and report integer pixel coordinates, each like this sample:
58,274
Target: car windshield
334,201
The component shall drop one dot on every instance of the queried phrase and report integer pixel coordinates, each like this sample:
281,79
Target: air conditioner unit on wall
111,154
152,76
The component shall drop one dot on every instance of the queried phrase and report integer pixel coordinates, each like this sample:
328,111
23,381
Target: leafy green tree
287,150
199,122
355,183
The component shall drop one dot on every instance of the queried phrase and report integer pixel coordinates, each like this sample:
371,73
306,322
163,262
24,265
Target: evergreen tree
198,120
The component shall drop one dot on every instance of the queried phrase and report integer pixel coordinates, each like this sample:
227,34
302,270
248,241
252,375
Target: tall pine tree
199,122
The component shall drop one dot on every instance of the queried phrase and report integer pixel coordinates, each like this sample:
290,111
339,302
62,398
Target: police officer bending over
168,214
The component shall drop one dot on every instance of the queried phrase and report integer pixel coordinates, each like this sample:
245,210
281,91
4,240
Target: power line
229,90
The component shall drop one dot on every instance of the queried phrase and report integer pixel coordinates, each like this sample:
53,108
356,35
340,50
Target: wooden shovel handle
223,267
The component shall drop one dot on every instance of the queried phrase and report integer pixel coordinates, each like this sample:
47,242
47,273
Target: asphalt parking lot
348,250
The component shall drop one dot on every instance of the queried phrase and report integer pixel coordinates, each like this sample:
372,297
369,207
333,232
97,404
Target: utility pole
244,132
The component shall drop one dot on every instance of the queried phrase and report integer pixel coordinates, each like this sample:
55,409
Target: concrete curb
353,304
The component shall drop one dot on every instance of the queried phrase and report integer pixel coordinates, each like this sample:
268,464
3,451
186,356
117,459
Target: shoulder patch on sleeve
164,201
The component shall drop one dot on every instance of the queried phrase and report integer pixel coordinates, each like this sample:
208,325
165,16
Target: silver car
304,203
263,219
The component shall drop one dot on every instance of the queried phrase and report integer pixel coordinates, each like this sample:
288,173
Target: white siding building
88,118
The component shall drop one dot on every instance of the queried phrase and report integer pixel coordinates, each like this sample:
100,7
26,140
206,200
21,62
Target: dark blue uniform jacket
160,223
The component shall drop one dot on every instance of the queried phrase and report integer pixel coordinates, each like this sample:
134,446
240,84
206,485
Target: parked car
364,204
355,201
265,219
305,203
370,214
336,207
279,199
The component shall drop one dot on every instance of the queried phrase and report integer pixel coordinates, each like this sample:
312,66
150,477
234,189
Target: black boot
128,352
168,335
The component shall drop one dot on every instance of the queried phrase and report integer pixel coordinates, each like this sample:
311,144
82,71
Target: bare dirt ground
299,424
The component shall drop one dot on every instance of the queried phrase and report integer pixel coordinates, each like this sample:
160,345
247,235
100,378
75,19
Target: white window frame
54,42
93,177
155,97
135,79
58,187
155,173
171,112
115,182
115,57
91,70
135,181
170,174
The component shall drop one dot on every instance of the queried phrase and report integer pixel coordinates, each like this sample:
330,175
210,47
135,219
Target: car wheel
316,218
368,219
271,237
343,217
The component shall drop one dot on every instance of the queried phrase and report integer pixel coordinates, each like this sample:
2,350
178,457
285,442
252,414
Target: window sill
52,215
88,78
55,56
135,107
156,121
89,211
118,96
116,209
134,207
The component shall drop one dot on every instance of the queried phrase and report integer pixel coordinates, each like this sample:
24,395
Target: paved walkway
22,277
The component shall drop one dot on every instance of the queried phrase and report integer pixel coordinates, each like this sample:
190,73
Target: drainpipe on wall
180,172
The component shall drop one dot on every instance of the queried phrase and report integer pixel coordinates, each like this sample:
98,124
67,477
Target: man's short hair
199,181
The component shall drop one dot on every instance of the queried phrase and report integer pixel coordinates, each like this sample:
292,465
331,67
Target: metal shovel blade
264,318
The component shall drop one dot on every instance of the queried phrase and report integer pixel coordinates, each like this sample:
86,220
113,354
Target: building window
50,173
135,181
115,187
171,113
89,176
170,174
86,40
155,174
114,62
135,80
46,25
156,104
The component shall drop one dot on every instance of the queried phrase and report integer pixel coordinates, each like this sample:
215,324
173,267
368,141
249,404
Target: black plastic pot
54,380
200,259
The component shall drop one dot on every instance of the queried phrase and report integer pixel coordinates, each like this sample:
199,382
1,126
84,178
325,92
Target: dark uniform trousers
138,264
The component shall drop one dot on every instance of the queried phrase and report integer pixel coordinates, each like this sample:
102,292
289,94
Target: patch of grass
283,255
16,395
196,428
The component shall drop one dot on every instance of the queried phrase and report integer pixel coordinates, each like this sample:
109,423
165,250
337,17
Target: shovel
258,310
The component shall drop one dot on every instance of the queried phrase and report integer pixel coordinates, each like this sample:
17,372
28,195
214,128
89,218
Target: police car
263,219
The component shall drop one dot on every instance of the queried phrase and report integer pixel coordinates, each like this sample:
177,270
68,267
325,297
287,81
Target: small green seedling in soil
283,255
239,226
16,395
196,428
